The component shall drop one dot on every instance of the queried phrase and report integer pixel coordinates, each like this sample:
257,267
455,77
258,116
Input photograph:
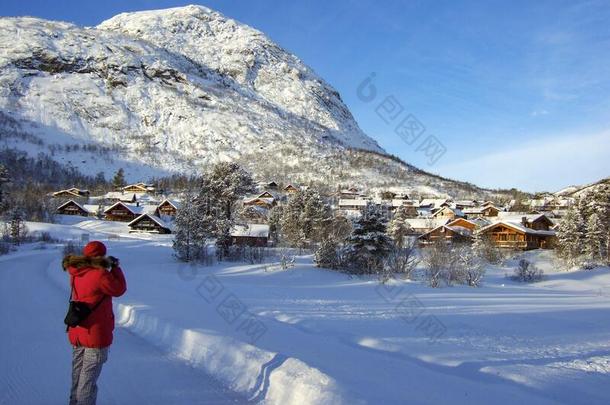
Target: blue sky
518,92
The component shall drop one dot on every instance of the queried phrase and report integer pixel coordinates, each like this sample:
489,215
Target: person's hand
114,262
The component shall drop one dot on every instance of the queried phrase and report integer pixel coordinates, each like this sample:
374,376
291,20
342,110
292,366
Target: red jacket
92,283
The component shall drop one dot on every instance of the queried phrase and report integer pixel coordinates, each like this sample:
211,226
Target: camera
114,262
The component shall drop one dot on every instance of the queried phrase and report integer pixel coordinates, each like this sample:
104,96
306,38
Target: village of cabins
429,219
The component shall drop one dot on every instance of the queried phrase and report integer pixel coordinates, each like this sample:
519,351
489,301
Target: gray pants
86,368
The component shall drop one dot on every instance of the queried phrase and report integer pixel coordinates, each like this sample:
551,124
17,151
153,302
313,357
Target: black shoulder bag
78,311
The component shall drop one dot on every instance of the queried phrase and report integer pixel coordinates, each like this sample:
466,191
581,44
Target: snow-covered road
35,354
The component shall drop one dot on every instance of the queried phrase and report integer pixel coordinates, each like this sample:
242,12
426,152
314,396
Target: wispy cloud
546,164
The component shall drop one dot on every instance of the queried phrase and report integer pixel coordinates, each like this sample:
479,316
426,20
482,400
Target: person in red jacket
92,283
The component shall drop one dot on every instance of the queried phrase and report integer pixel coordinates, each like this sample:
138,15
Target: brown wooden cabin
450,234
485,211
525,235
139,188
71,193
168,208
272,185
260,202
149,223
254,214
72,208
464,223
447,212
291,189
120,196
250,235
120,212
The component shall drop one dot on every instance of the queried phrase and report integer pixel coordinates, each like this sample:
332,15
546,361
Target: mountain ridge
160,107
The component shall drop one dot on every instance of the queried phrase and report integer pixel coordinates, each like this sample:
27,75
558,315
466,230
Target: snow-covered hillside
578,191
171,91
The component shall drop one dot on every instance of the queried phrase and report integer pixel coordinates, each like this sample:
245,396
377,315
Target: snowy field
241,333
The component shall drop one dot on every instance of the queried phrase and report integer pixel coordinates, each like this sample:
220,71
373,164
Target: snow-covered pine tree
17,229
368,245
315,213
570,236
595,238
327,254
193,228
399,228
303,218
4,179
118,181
221,189
274,219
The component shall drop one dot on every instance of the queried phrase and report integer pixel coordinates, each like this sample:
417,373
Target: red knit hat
95,248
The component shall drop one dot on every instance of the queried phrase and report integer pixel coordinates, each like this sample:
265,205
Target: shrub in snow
467,267
485,248
72,248
437,260
401,260
527,272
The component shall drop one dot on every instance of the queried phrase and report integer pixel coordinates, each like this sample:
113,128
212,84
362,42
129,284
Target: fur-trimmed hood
81,264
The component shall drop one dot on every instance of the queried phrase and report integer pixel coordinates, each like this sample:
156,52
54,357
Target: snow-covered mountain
577,191
169,91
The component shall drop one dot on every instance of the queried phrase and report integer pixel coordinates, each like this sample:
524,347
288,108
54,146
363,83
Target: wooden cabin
349,193
272,185
120,211
450,234
149,223
73,208
447,212
250,235
353,204
291,189
71,193
254,214
168,208
484,211
532,232
464,223
139,188
267,203
120,196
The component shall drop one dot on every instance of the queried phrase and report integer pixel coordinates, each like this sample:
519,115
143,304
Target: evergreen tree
303,218
570,236
193,228
118,181
220,191
17,230
368,245
399,228
327,254
595,238
4,179
274,219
